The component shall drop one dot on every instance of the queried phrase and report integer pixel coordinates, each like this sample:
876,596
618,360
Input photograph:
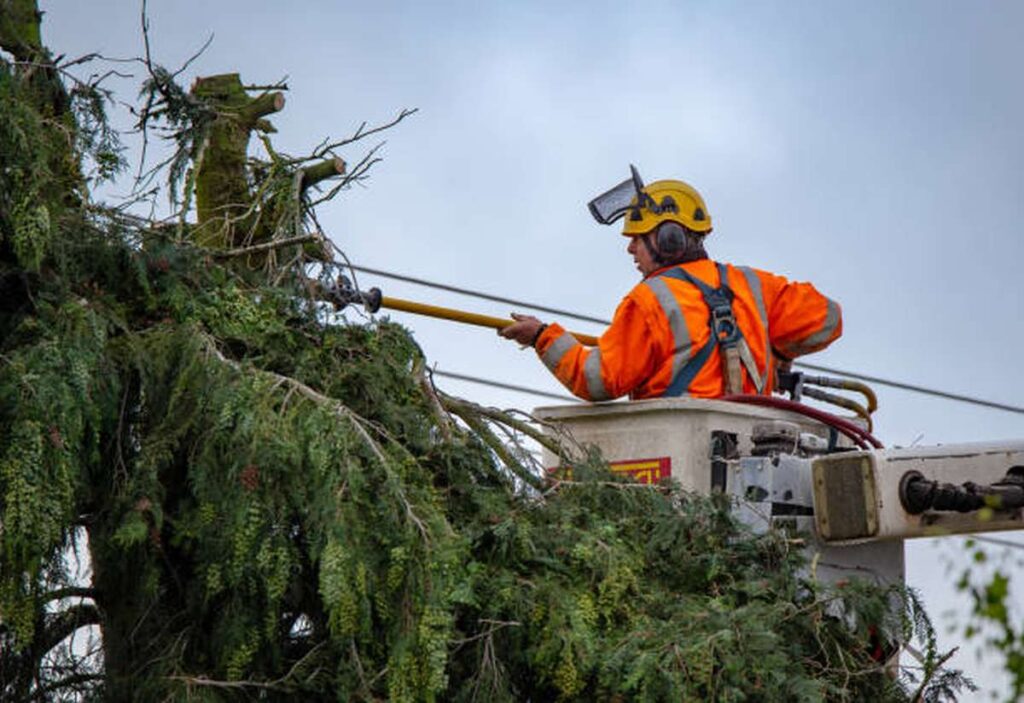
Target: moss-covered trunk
31,198
224,204
130,621
19,29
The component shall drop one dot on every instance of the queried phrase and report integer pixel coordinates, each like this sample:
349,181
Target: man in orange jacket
692,326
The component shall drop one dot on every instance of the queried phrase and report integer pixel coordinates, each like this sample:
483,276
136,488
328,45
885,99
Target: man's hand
524,330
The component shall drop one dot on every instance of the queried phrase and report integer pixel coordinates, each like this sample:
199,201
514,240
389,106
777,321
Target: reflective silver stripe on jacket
557,350
683,349
828,328
754,282
592,372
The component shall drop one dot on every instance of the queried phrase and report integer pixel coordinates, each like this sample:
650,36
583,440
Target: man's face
642,257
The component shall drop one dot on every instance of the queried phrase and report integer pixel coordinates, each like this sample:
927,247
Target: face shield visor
613,204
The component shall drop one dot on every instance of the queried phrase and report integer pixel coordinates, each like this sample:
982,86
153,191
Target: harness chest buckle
724,327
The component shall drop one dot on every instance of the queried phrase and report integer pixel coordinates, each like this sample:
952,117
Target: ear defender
671,239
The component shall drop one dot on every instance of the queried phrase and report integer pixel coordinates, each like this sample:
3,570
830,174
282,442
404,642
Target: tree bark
223,199
39,79
328,168
19,29
21,36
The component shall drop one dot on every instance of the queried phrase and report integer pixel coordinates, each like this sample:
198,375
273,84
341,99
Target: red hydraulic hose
860,436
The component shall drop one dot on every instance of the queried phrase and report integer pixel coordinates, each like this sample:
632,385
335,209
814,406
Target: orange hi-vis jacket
653,347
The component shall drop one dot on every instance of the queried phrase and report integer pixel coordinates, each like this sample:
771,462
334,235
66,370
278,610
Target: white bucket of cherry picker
706,445
677,437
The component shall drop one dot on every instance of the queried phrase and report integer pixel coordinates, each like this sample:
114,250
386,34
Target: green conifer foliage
277,505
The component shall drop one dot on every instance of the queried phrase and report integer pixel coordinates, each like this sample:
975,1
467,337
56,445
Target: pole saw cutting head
342,293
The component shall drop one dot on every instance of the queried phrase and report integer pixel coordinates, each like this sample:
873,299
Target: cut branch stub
264,105
328,168
223,198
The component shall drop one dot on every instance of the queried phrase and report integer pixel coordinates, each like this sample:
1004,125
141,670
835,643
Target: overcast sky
873,148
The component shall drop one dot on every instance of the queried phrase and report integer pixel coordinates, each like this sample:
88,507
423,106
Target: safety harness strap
725,333
747,357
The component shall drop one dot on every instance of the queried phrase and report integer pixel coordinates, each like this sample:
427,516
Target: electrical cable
996,541
478,294
914,389
505,386
587,318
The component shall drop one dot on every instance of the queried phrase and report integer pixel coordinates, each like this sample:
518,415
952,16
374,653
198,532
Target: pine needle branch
307,392
474,422
358,423
503,418
931,672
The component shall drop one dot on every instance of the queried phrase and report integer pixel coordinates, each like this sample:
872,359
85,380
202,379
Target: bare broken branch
267,246
362,132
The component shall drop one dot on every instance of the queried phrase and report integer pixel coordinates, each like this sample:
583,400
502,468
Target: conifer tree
277,504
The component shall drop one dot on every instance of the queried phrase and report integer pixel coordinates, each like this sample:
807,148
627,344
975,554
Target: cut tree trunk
224,203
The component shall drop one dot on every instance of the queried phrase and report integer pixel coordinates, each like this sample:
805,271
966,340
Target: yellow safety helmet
668,201
645,207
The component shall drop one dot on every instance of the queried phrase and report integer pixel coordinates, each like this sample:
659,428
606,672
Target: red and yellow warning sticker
649,471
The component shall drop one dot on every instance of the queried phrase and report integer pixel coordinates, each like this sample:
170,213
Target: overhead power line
478,294
587,318
505,386
913,388
996,541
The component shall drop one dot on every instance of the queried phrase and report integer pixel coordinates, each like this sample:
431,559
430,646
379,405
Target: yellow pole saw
343,293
